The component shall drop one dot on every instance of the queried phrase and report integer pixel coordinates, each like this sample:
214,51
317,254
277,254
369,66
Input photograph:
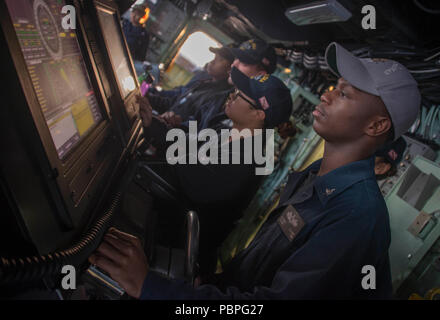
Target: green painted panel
406,250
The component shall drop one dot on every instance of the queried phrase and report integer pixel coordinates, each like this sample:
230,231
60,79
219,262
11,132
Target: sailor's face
238,108
136,15
343,113
219,68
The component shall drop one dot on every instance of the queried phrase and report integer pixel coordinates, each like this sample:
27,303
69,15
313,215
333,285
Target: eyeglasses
237,93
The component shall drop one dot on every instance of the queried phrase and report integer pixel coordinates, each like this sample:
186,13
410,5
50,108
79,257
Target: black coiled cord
29,269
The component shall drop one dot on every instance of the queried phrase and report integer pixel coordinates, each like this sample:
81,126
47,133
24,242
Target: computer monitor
59,113
117,49
58,72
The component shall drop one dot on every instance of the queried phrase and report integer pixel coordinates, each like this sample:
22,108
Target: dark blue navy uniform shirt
346,227
199,77
137,38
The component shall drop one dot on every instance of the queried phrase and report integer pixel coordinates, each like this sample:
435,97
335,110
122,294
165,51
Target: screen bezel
73,154
63,171
108,7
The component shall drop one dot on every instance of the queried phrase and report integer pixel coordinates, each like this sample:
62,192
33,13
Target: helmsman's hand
121,255
145,110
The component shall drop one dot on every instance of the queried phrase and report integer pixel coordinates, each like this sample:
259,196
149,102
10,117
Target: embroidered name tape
290,222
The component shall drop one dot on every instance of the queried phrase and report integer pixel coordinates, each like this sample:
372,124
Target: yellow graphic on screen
64,76
82,115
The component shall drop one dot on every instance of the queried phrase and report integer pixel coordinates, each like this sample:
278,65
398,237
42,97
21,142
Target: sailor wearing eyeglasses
219,191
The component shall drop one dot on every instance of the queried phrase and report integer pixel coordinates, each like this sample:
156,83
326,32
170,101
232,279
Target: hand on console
172,119
121,255
145,110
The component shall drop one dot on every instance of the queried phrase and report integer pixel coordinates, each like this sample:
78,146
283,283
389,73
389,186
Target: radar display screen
118,54
57,70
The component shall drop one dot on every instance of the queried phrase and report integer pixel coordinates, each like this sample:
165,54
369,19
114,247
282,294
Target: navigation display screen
57,70
117,50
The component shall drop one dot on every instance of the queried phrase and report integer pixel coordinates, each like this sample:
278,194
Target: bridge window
193,55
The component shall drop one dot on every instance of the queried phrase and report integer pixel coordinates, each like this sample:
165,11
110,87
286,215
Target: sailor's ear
381,167
261,115
378,126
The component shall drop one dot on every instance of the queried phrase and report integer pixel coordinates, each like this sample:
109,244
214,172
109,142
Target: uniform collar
333,183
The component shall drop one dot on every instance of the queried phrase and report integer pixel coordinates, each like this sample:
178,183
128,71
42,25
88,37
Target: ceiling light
318,12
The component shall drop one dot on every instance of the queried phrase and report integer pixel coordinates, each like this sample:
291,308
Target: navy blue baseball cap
256,51
393,152
269,93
